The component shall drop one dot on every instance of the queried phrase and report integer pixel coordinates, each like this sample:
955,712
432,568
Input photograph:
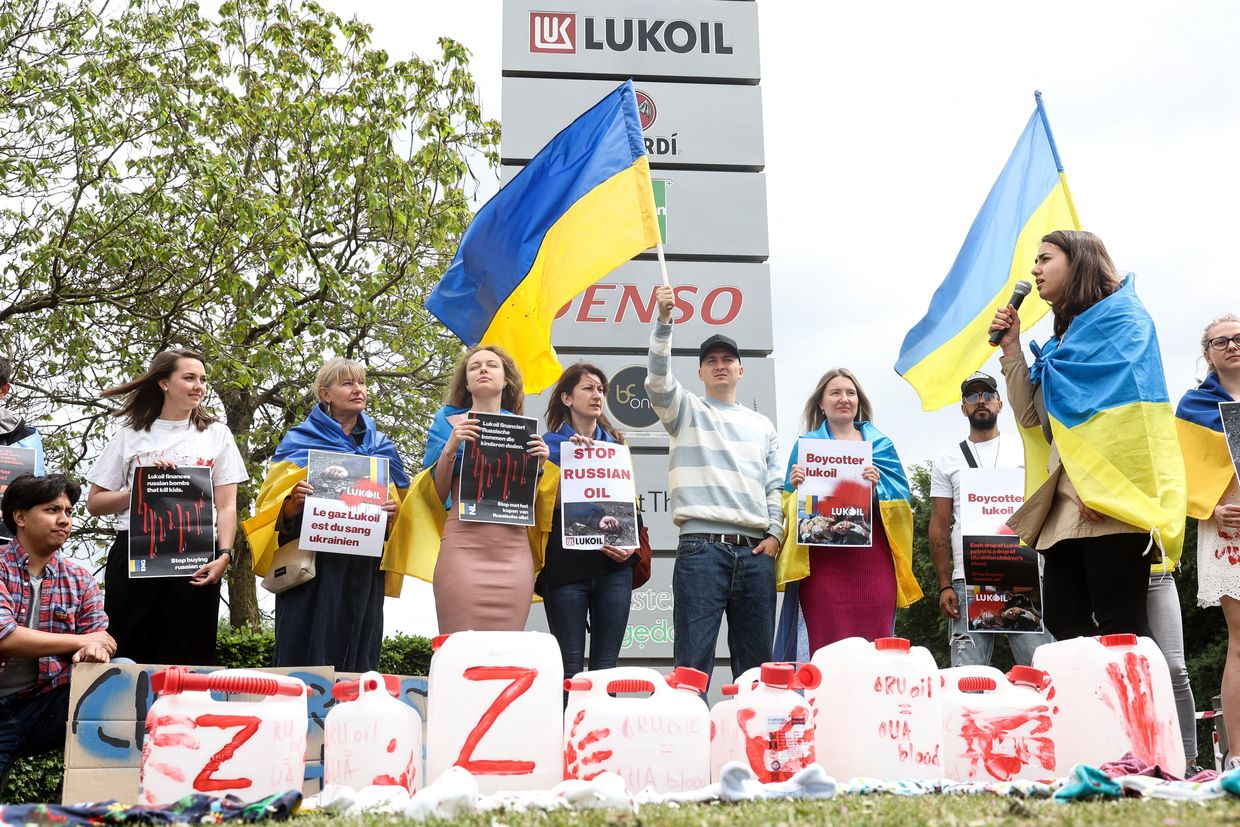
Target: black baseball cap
978,378
717,342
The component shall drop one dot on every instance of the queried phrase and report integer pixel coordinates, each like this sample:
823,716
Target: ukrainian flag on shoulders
1029,200
583,206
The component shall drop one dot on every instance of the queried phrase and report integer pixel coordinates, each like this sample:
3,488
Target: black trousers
1097,586
158,619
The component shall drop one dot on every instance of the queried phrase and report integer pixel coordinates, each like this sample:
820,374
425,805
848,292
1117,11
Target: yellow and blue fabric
1111,418
319,432
420,523
582,206
893,505
1029,200
1207,462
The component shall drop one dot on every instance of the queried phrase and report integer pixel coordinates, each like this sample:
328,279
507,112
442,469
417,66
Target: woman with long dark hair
583,588
1113,503
165,425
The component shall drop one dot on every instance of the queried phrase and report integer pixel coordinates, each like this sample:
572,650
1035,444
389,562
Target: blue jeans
604,599
975,649
29,726
711,579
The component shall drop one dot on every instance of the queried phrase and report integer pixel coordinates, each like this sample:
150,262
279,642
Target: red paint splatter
575,758
174,739
1134,694
391,747
175,773
779,754
1005,744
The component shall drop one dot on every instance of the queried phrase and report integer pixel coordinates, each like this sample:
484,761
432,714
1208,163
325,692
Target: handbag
290,566
641,572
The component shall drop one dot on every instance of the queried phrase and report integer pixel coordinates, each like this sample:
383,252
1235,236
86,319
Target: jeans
711,579
1163,602
975,649
604,599
29,726
1096,586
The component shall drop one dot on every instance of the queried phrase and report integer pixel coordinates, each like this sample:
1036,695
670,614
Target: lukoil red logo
646,110
553,32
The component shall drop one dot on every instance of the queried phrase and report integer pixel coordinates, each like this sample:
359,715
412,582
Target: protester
335,618
1214,499
1114,504
725,498
51,616
14,430
983,448
165,425
850,592
484,572
583,588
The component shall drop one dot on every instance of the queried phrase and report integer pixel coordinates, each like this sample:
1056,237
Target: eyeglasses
983,396
1221,342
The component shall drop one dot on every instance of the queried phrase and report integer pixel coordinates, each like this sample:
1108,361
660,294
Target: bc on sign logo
553,32
627,400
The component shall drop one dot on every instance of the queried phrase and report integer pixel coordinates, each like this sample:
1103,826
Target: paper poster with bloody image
14,462
499,477
1003,579
835,503
345,513
171,521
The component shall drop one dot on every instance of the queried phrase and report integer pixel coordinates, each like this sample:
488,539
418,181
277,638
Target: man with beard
984,448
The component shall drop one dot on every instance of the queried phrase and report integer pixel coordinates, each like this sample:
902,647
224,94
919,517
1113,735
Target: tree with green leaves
260,185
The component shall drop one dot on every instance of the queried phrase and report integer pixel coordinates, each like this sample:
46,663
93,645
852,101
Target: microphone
1019,292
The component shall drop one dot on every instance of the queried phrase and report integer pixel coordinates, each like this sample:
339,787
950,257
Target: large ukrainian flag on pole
582,206
1030,199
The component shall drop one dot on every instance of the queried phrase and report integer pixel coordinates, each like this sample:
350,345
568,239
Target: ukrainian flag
1207,462
1111,418
1029,200
582,206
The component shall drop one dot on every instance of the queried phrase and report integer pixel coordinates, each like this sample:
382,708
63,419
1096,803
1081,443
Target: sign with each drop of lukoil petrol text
639,38
683,125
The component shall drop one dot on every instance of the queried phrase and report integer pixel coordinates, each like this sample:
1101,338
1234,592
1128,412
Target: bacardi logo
646,110
553,32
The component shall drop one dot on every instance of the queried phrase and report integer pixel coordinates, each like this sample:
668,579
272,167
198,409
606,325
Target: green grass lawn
934,811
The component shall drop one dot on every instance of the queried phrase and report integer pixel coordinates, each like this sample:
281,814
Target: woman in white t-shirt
165,619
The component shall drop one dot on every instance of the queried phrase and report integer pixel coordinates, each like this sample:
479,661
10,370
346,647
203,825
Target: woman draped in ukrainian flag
482,573
1113,502
1214,499
847,592
337,617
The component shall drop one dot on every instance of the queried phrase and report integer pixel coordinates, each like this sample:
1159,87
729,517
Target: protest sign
14,462
171,521
1003,583
1230,413
498,476
835,504
345,513
597,496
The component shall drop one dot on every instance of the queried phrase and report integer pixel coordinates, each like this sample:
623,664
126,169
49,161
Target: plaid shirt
70,602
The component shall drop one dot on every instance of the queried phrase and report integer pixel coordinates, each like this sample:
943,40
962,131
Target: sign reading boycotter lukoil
706,215
711,297
684,125
637,38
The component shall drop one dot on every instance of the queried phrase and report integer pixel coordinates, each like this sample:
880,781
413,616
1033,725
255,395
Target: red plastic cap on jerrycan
729,689
177,679
892,644
1124,639
437,641
1028,676
348,691
686,677
779,675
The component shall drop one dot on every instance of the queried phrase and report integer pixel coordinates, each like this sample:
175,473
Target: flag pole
662,264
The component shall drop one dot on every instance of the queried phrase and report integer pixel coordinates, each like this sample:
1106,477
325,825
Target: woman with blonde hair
484,572
335,618
165,425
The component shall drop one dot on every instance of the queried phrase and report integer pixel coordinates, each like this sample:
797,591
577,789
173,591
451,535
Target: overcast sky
887,122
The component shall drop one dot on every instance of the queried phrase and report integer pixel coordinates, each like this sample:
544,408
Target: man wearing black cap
726,487
984,448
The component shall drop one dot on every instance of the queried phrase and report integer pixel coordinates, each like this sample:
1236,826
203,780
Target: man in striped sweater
726,487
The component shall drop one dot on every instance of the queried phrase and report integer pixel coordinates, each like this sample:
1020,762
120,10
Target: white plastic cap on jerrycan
660,740
997,728
727,744
775,723
494,702
196,744
1112,695
877,710
370,737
